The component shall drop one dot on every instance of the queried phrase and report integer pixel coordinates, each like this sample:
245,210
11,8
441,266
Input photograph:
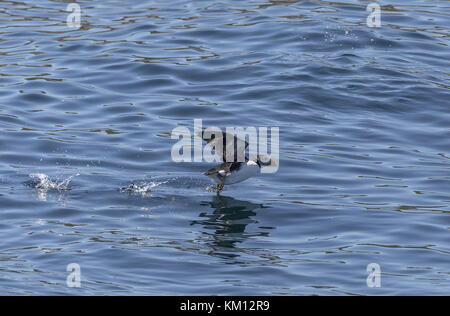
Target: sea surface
87,176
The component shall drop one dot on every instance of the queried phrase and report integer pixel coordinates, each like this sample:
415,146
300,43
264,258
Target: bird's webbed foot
220,187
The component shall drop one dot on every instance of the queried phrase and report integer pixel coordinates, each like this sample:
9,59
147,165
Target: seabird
232,170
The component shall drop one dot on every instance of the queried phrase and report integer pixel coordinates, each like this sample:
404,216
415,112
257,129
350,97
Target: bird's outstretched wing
227,143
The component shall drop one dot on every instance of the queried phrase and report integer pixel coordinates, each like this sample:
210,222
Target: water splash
43,182
211,188
44,185
142,188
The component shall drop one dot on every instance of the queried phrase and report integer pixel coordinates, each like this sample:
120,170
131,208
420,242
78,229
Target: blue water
86,174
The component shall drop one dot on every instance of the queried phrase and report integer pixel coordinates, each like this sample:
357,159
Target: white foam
143,188
45,183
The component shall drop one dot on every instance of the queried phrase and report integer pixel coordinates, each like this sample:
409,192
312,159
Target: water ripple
364,162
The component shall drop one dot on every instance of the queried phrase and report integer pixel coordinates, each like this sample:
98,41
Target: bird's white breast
247,170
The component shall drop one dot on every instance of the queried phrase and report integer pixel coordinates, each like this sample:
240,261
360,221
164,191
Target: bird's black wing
229,143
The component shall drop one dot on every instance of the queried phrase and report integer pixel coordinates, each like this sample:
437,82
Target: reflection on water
226,225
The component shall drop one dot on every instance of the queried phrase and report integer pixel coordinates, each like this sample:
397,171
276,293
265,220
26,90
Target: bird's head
263,162
267,164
